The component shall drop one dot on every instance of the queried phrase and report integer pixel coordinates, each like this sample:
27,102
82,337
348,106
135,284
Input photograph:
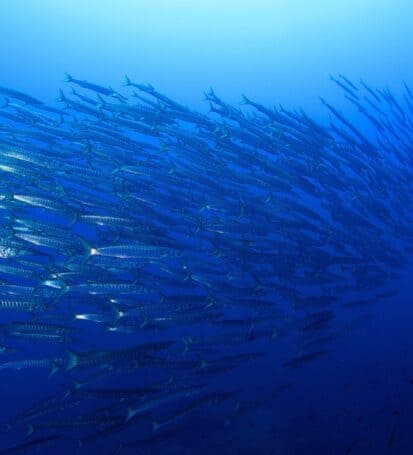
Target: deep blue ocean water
358,398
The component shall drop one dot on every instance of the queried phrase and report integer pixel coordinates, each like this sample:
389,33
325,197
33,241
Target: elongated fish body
109,221
107,288
17,304
135,251
25,364
19,95
89,85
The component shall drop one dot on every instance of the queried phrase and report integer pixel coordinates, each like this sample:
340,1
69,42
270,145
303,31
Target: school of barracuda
197,240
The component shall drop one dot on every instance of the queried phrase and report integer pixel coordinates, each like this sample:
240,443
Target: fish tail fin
67,78
78,385
61,97
55,369
245,100
74,217
130,413
89,250
30,430
126,81
101,103
210,95
117,312
73,360
213,109
155,426
210,301
200,224
187,341
145,321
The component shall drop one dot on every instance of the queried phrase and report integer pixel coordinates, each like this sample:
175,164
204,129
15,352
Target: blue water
275,51
279,52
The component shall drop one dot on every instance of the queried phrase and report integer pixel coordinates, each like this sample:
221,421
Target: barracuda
142,221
